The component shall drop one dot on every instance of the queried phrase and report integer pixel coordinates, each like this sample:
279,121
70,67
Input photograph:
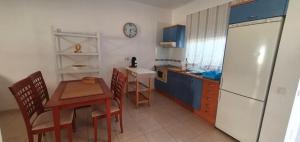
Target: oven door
162,75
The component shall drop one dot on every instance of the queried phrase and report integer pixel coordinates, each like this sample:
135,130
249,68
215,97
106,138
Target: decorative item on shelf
77,53
130,30
77,48
77,67
89,80
133,62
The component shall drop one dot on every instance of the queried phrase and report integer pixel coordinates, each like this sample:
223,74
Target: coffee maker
133,62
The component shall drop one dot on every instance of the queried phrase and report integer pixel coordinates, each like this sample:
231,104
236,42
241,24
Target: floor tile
140,138
159,136
163,121
181,132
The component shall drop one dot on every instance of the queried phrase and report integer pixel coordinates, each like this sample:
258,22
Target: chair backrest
119,91
114,78
28,100
40,85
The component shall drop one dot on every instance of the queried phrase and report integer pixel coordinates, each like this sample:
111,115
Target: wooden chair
117,104
37,120
40,85
114,78
41,88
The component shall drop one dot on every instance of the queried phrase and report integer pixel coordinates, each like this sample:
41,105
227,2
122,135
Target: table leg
149,91
127,84
56,120
108,119
137,93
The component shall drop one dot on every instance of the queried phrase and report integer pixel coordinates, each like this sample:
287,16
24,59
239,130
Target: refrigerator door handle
221,82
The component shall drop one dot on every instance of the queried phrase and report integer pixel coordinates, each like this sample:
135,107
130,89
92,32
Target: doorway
293,130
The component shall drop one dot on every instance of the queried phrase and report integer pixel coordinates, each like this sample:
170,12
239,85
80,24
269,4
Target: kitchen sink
197,73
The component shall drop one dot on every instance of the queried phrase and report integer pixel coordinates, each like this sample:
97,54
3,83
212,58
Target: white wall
285,79
26,42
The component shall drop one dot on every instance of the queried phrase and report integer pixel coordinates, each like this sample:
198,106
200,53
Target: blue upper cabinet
258,9
175,34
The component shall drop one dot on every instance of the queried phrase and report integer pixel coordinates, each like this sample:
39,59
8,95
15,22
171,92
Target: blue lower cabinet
196,90
186,94
160,85
175,85
185,88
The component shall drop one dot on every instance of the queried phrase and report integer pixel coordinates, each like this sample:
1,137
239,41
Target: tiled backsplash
170,60
170,56
173,62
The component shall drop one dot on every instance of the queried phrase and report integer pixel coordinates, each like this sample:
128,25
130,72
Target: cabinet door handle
252,17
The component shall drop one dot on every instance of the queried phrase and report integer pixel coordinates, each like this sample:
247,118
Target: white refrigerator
248,65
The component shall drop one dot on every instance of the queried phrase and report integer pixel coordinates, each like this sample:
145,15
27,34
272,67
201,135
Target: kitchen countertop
185,72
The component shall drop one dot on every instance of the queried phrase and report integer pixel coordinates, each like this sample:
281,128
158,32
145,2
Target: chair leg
70,133
39,137
121,122
30,137
75,113
74,124
95,123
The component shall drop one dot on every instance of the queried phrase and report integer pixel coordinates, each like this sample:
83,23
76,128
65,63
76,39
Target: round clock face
130,30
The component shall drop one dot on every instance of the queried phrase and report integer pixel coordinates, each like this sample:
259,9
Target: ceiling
169,4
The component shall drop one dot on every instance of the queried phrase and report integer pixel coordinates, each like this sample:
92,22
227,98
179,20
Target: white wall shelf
89,55
78,54
75,71
71,34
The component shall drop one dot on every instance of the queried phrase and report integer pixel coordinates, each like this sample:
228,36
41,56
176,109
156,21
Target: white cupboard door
249,57
239,116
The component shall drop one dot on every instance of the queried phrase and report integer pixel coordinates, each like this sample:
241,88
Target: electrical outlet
281,90
127,58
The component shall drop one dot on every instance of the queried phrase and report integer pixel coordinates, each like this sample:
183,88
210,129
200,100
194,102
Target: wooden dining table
57,102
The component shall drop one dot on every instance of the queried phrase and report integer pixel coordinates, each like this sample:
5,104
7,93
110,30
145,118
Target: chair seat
45,120
100,110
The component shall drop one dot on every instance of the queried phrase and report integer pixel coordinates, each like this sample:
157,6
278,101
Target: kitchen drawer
211,86
210,100
210,92
208,115
210,109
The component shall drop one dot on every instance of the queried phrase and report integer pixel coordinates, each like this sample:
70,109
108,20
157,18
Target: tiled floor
163,121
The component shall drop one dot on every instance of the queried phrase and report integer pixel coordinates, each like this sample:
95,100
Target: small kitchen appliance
133,62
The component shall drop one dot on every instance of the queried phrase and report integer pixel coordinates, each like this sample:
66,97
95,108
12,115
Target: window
206,37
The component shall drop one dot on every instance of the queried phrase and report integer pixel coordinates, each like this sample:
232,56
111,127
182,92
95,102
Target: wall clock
130,30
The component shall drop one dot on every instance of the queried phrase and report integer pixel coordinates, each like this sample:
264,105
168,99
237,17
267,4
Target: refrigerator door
239,116
249,57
